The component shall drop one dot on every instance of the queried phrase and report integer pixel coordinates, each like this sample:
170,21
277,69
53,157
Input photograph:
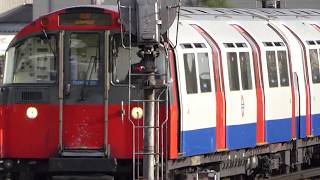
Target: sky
4,42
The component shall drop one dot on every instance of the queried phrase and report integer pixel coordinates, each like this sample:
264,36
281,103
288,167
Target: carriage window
190,73
204,72
272,69
32,61
84,58
246,79
283,68
233,71
314,62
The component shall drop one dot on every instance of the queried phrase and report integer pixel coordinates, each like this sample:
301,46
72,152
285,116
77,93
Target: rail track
303,174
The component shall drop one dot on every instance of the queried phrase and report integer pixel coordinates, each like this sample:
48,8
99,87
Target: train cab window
84,58
246,79
283,68
204,72
32,61
120,60
190,73
314,62
121,63
272,69
233,71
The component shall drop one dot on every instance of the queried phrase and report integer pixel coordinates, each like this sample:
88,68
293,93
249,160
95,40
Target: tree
215,3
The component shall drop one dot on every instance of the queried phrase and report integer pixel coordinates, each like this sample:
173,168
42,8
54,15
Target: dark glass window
233,71
241,45
186,46
84,58
283,68
268,44
272,69
246,79
199,45
190,73
228,45
204,72
314,62
85,19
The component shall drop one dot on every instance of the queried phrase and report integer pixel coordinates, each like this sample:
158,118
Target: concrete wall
6,5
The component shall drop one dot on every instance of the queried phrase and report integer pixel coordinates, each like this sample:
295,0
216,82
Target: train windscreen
31,61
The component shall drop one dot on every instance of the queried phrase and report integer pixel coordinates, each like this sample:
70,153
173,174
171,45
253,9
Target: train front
55,115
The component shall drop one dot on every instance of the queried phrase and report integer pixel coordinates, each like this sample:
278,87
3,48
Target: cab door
83,108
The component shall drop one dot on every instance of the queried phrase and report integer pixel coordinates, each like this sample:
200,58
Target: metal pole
149,116
61,89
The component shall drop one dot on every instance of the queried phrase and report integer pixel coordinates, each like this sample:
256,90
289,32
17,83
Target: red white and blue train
243,95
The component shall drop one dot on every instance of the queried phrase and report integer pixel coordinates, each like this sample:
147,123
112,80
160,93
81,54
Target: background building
6,5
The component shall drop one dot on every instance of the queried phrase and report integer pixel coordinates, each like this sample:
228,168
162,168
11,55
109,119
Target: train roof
249,14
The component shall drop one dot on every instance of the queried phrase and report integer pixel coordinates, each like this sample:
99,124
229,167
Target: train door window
246,79
283,68
314,62
84,58
233,71
204,72
190,73
272,69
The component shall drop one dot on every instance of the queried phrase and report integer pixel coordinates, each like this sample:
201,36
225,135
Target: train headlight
137,112
32,112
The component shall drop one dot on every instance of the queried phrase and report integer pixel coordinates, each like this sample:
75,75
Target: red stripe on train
256,54
220,94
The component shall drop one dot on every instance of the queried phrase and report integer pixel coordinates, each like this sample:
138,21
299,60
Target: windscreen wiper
49,44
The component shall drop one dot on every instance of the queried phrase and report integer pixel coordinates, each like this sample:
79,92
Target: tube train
242,96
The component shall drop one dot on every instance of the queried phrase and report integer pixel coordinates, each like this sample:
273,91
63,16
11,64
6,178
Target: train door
278,95
241,100
83,110
314,74
195,73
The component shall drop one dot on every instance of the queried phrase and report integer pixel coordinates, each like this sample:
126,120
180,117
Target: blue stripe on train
278,130
302,127
203,141
315,124
199,141
241,136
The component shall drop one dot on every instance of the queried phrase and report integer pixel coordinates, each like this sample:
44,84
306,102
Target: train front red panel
83,126
31,138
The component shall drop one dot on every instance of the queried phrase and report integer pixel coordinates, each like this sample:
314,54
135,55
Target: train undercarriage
262,162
